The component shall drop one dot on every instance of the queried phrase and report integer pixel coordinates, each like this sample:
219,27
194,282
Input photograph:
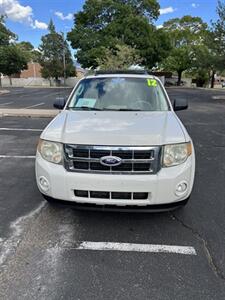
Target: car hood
115,128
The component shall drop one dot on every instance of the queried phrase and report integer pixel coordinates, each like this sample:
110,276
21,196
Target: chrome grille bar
134,160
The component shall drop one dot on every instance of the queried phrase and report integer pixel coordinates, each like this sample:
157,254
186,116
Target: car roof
121,75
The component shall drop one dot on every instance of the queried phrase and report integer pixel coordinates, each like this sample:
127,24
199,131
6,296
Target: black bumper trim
113,208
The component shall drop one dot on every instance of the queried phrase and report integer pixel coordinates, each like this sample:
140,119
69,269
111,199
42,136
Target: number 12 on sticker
152,82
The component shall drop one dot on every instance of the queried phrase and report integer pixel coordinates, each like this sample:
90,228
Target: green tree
31,53
5,34
202,64
55,57
185,35
121,58
216,41
107,23
12,60
179,60
26,46
36,55
185,31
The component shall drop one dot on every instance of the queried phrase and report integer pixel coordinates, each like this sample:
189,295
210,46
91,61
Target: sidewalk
32,113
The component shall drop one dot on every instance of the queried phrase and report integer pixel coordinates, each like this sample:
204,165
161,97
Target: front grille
134,160
111,195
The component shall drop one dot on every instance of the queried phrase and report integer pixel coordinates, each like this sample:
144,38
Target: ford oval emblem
110,161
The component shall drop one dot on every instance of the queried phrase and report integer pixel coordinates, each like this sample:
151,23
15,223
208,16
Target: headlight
176,154
50,151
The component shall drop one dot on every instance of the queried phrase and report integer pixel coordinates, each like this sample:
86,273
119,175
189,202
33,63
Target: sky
29,18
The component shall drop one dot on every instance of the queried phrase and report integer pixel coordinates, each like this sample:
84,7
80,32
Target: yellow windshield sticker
152,82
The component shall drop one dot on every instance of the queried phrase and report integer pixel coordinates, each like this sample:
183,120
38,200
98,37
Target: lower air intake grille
111,195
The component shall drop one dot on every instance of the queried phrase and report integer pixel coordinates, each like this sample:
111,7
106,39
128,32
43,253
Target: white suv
117,142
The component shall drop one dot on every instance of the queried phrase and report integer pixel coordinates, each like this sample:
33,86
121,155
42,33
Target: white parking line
20,129
18,156
39,104
107,246
7,103
55,94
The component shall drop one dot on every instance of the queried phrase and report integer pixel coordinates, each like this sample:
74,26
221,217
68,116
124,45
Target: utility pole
34,69
64,61
213,79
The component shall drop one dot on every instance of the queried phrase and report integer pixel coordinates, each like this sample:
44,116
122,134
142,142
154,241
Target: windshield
119,94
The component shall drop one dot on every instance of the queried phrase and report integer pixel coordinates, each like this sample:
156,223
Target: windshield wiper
126,109
85,108
120,109
102,109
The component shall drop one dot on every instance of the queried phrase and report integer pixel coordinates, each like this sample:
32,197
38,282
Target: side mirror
180,104
59,103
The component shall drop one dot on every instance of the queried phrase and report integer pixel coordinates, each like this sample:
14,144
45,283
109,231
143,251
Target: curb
2,92
210,89
46,87
31,113
196,88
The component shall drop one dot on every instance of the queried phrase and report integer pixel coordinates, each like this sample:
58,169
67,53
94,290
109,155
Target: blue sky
29,18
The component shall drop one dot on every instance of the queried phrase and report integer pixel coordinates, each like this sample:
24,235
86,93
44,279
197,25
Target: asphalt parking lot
35,98
39,253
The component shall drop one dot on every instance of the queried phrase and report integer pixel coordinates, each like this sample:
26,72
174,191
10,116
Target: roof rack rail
109,72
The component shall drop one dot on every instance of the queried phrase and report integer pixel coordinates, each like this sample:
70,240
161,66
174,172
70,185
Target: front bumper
160,187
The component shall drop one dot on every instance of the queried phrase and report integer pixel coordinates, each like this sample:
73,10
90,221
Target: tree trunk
10,80
0,81
179,77
213,79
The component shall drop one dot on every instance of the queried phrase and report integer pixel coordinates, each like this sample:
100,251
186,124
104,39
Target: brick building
34,71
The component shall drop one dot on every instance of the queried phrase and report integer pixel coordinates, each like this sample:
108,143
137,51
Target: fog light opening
181,188
44,184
